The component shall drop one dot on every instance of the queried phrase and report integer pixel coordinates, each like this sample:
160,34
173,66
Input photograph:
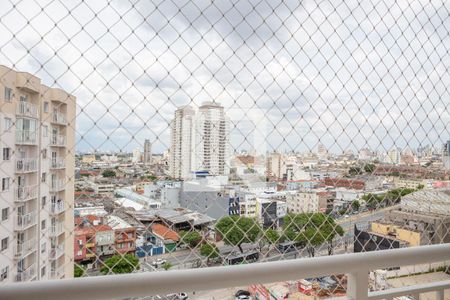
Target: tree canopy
109,173
210,251
236,230
311,229
190,238
120,264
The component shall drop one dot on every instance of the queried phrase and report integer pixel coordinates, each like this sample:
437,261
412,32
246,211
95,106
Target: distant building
210,141
366,241
393,156
181,146
147,152
136,156
309,201
88,158
199,141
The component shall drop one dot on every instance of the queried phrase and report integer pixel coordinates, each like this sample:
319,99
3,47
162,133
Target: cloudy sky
289,73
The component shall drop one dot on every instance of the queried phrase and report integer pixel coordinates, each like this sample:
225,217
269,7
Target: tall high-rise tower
211,140
37,131
181,142
147,152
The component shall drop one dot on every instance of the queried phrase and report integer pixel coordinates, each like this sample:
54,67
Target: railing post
358,285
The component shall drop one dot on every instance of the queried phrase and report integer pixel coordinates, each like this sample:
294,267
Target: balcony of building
56,229
26,165
56,252
27,109
24,248
58,140
57,185
26,193
57,208
26,137
25,221
58,163
59,118
26,275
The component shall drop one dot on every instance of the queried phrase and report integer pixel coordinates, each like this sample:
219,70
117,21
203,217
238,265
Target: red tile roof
165,232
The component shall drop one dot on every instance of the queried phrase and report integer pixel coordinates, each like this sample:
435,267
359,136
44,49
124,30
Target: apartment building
37,130
199,141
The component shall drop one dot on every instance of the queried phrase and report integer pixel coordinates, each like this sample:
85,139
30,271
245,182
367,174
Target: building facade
37,128
181,142
147,152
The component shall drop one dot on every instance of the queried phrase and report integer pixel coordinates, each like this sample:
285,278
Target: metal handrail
161,283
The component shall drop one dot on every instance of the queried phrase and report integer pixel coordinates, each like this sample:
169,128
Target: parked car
158,262
242,295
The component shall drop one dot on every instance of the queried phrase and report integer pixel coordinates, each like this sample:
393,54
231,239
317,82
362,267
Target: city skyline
306,93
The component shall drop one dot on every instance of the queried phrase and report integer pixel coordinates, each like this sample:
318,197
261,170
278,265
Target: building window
43,271
42,224
5,184
5,213
44,177
4,243
44,153
43,247
6,153
45,129
80,252
8,94
46,106
44,201
8,124
4,273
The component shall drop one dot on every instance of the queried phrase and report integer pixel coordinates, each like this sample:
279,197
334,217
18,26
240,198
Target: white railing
26,137
25,221
58,163
56,251
355,265
27,274
25,248
26,165
59,118
58,140
57,185
56,230
57,208
26,193
26,109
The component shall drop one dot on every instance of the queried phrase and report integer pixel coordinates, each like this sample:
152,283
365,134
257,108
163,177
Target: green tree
210,251
191,238
120,264
271,236
356,205
167,265
152,177
312,229
236,230
109,173
354,171
369,168
420,187
78,271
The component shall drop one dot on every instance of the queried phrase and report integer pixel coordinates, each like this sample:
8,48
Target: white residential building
37,130
199,141
181,143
